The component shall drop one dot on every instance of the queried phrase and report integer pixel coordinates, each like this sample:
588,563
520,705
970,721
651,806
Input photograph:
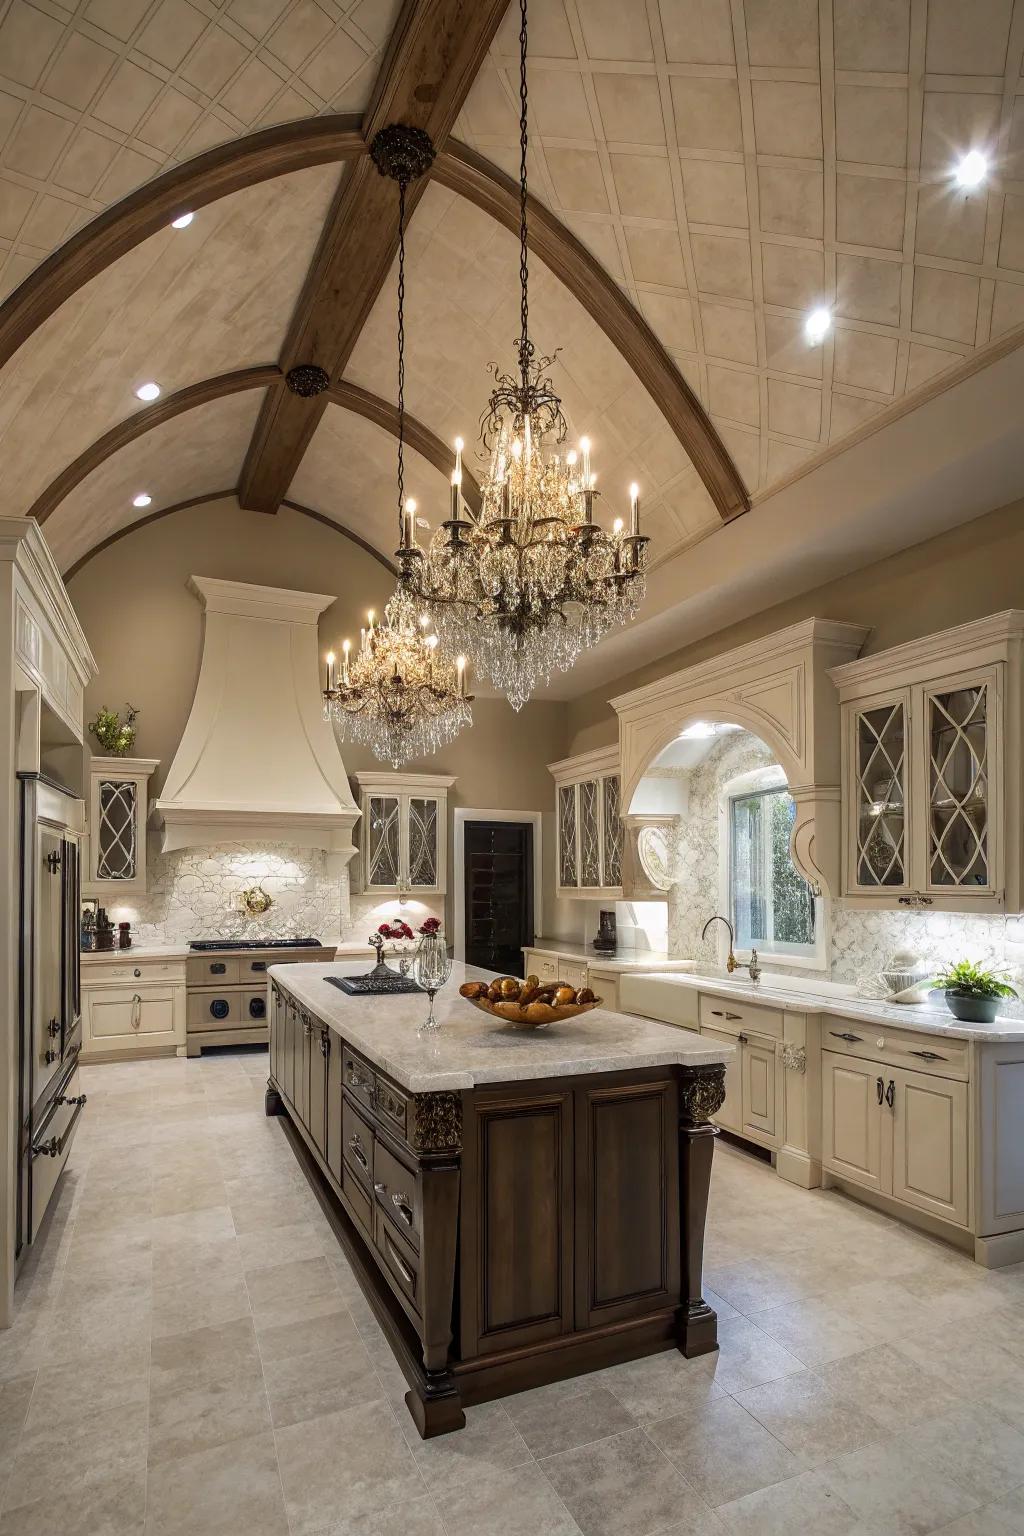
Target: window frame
809,957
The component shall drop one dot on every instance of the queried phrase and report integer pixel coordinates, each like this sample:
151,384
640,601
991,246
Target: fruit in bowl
528,1004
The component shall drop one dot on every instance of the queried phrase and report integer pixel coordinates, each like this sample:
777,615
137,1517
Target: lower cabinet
127,1019
898,1132
730,1116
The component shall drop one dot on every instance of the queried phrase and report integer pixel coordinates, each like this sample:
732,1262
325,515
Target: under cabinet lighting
148,391
182,221
143,499
817,325
971,170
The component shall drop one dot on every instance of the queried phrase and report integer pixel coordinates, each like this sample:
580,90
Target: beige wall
144,626
964,574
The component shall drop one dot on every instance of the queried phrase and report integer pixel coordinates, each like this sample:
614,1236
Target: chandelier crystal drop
526,583
400,695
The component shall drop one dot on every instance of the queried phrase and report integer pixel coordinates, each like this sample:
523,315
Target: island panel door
627,1201
517,1220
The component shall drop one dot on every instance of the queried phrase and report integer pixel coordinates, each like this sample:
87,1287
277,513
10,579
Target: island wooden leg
702,1092
438,1408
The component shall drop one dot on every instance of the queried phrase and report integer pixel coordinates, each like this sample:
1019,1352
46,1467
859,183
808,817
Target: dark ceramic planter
972,1010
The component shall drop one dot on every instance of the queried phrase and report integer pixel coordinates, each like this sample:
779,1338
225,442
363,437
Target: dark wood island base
511,1234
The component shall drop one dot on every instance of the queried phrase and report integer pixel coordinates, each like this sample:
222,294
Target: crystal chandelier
400,695
526,584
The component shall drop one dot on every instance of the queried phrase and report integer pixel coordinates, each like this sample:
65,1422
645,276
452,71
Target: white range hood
257,762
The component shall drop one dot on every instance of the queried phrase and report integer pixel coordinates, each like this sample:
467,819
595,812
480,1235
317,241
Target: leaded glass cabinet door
117,826
961,834
590,833
383,842
879,836
612,830
568,862
423,822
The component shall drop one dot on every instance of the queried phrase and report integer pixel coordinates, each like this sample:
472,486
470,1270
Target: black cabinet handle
845,1034
880,1089
890,1094
218,968
742,1038
53,862
258,965
53,1028
928,1055
56,1144
717,1013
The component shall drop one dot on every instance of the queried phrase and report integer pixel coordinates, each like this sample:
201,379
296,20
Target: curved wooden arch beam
464,171
419,437
141,422
348,396
206,178
195,501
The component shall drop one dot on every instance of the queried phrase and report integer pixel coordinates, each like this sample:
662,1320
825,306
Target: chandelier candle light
531,580
400,695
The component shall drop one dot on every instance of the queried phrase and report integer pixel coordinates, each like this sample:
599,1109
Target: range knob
220,1008
257,1008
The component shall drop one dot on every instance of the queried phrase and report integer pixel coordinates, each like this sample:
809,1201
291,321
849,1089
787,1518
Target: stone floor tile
223,1354
800,1504
302,1387
215,1261
229,1490
279,1245
328,1327
567,1414
106,1444
66,1393
174,1199
622,1486
748,1357
185,1422
989,1521
815,1331
306,1278
888,1486
660,1385
517,1503
418,1517
354,1462
112,1505
892,1389
813,1421
201,1302
723,1452
488,1443
975,1447
187,1227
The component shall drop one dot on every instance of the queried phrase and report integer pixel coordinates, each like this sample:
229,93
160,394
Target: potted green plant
973,995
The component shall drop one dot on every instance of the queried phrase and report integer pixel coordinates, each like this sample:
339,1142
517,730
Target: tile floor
191,1355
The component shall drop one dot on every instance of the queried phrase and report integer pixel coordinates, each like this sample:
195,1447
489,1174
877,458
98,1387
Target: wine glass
431,969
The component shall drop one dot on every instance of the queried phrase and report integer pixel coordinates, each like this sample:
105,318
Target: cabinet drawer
574,974
400,1259
357,1145
544,967
358,1199
216,1008
115,1015
102,975
392,1106
56,1132
739,1017
359,1079
897,1047
397,1193
207,971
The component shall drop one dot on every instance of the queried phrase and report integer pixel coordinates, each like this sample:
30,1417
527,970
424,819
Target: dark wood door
627,1201
517,1220
317,1104
498,894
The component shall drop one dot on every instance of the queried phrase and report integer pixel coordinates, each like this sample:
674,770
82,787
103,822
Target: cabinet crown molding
371,778
127,767
960,645
23,546
586,765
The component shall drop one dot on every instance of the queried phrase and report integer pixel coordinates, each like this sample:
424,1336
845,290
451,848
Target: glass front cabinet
404,832
932,772
118,812
589,825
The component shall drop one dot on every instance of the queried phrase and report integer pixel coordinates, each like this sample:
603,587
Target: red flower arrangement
396,930
430,925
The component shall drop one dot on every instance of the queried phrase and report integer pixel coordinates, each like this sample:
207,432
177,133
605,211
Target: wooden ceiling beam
430,64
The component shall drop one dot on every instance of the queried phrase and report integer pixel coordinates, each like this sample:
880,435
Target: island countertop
474,1048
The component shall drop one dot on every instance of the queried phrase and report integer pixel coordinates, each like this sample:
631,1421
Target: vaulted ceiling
705,172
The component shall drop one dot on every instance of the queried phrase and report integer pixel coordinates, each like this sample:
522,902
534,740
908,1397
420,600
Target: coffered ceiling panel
349,473
462,314
95,103
199,451
735,163
183,306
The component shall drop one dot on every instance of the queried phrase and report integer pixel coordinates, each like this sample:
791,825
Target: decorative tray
517,1014
527,1004
374,983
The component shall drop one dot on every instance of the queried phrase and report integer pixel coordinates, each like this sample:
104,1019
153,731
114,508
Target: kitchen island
519,1207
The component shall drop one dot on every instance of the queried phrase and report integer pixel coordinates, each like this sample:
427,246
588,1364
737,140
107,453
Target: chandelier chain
524,272
402,184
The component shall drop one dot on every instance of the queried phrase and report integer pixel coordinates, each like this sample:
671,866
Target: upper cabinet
404,832
932,775
589,825
118,812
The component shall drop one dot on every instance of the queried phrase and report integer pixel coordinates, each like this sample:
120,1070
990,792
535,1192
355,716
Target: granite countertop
622,960
920,1018
139,951
474,1048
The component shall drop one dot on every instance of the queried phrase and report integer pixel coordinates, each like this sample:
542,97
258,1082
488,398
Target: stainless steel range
227,989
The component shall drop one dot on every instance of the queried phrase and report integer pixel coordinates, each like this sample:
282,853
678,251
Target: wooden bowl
515,1014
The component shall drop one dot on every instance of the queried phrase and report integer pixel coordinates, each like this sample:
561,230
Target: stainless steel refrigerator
49,1098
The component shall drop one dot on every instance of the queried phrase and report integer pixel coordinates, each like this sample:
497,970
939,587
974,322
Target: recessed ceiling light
148,391
182,221
972,169
818,324
143,499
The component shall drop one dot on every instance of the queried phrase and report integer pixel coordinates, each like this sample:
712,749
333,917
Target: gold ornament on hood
256,900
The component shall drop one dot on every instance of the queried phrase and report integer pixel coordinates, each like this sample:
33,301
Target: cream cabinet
134,1007
588,816
118,812
898,1132
932,774
404,833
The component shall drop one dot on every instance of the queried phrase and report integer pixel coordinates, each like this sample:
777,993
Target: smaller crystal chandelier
531,580
399,695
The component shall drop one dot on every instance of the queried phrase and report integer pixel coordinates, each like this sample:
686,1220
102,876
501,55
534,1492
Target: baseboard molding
798,1168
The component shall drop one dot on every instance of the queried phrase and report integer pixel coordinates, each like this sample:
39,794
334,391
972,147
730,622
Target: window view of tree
772,905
